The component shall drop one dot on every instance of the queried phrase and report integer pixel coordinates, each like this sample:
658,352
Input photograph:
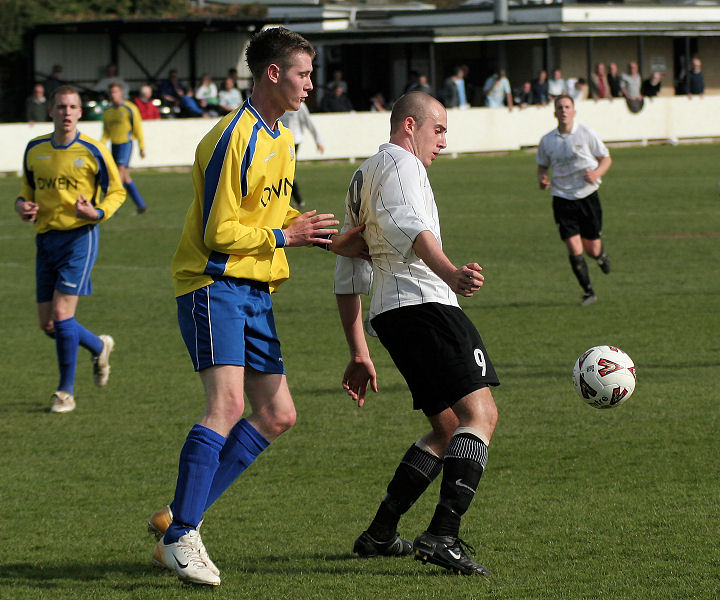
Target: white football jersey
390,193
570,155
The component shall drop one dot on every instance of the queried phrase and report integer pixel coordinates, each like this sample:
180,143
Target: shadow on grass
71,573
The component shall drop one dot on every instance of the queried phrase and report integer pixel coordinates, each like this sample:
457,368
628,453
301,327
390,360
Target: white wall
172,143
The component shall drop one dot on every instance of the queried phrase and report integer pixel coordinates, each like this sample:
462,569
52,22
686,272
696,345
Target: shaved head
417,105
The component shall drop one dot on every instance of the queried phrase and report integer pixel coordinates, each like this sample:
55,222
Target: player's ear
409,124
273,72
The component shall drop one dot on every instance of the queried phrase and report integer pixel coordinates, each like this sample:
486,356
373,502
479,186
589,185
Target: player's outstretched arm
350,244
360,370
465,280
310,228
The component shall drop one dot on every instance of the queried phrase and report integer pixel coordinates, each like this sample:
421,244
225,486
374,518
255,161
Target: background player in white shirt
415,313
578,160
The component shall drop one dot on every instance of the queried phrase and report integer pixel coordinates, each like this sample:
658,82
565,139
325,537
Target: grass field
576,503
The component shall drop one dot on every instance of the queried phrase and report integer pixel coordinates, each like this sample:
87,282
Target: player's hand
85,210
591,176
143,154
359,372
321,148
310,228
544,182
466,280
351,243
27,209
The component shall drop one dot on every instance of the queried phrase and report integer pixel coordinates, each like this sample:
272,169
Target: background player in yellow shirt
65,175
121,124
229,258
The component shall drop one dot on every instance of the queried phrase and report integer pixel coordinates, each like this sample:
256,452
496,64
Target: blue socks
66,343
244,444
199,459
86,338
205,451
134,194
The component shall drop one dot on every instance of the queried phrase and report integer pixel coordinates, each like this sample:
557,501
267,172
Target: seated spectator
36,108
652,85
111,77
421,85
600,86
556,86
189,108
54,80
147,105
337,101
337,80
497,90
540,88
378,104
171,90
614,78
577,89
229,97
206,96
523,95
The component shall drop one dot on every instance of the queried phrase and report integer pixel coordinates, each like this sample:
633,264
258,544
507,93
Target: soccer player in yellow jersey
70,184
230,257
122,124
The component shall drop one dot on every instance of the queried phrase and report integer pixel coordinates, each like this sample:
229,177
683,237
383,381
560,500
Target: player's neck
268,110
565,127
63,138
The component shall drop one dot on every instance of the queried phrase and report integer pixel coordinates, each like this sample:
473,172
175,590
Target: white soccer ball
604,376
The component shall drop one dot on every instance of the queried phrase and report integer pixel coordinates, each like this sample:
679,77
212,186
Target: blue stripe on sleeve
217,261
214,168
279,238
30,175
127,108
103,176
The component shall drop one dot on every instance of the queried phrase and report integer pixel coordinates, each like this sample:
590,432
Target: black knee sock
579,267
414,474
463,467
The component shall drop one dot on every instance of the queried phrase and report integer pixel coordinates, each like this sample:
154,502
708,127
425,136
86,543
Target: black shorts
438,351
582,216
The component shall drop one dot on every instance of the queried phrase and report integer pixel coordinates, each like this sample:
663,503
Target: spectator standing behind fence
53,81
146,104
111,77
631,82
449,94
540,88
695,80
171,90
229,97
651,86
556,85
36,108
298,121
421,85
337,101
614,81
497,90
600,88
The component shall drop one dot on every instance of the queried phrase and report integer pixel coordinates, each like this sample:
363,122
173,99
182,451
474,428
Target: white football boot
62,402
157,526
101,362
185,559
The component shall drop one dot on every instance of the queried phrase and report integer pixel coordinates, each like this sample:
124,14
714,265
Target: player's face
565,111
116,95
66,112
294,81
429,138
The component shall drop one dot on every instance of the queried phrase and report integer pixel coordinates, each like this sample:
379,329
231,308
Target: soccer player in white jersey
578,159
230,258
415,313
70,185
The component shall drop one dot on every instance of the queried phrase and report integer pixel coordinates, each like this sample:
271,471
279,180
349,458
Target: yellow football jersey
54,177
123,123
242,179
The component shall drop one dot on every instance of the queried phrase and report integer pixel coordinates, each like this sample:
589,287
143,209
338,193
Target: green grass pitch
576,503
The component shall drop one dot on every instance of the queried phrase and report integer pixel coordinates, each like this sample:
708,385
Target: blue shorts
121,153
230,322
64,261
